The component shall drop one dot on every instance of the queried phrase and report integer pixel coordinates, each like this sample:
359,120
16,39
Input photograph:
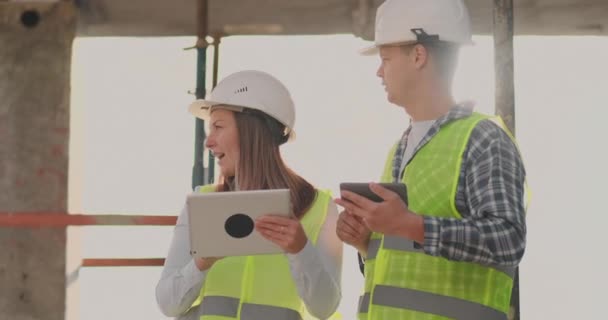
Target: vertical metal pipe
505,94
216,56
503,59
217,40
199,174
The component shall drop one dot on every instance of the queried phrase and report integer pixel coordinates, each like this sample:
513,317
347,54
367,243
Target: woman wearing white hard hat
250,115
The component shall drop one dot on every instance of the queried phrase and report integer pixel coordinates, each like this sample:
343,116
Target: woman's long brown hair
260,165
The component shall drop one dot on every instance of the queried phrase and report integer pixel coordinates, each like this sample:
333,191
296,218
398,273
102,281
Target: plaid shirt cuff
432,229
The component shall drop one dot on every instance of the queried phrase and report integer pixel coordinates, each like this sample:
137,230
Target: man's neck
430,106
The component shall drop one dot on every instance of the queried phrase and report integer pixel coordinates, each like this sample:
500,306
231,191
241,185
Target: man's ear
420,56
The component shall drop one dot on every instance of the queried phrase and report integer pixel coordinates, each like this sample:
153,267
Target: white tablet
222,223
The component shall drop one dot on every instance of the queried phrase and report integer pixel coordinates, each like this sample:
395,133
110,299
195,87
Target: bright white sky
132,152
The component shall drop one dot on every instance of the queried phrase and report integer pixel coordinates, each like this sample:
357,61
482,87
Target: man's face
398,73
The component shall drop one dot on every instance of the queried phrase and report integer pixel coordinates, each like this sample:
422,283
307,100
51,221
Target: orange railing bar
58,219
143,262
54,219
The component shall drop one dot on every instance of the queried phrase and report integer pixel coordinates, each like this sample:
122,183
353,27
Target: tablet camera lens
239,225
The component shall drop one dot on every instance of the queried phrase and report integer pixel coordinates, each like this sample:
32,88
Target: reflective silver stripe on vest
402,244
228,307
445,306
220,306
510,271
263,312
364,303
372,248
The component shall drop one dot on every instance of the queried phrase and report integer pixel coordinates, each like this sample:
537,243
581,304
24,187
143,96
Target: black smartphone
362,189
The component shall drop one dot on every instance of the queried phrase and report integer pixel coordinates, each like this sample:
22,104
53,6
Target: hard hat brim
369,51
202,110
375,49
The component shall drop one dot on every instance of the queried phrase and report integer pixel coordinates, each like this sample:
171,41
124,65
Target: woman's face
223,140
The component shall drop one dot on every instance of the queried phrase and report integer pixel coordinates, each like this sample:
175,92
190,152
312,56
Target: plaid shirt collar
455,113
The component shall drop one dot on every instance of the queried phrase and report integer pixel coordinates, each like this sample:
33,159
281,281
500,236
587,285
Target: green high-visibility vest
401,281
258,287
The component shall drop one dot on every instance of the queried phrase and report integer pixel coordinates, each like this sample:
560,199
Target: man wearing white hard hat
250,115
450,252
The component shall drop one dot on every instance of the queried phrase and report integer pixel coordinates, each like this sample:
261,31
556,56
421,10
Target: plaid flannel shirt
489,197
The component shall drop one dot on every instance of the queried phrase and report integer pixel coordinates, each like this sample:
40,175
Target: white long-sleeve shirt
316,270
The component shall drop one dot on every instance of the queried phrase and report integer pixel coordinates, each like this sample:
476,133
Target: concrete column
35,57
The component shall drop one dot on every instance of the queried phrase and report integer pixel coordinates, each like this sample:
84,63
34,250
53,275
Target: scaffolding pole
200,174
505,94
216,57
503,62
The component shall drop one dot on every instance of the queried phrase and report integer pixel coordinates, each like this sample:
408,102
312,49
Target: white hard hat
254,90
410,21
